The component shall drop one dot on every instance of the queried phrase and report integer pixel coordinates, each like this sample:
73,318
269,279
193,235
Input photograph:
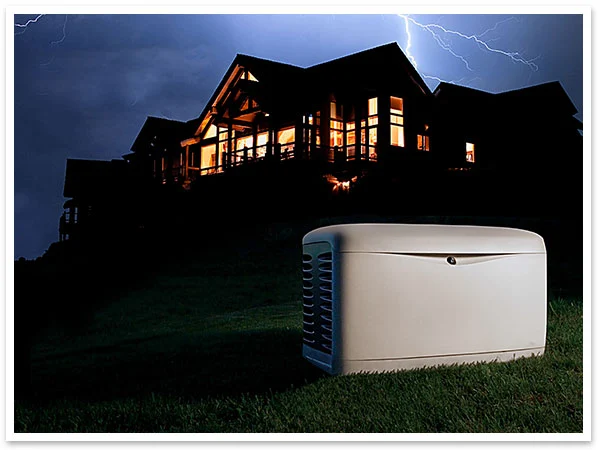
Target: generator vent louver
317,279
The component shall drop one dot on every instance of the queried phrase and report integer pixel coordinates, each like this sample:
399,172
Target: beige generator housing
380,297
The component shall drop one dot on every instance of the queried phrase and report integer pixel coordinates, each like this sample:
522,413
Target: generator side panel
320,272
421,306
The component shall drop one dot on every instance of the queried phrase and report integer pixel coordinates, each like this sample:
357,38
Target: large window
243,146
470,152
336,135
396,121
209,158
336,128
351,140
261,144
423,142
211,133
370,133
287,139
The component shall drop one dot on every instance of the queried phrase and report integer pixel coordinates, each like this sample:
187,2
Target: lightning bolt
26,24
438,33
64,33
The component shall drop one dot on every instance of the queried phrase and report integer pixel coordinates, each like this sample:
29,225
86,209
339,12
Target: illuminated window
318,128
470,152
373,106
422,142
211,133
251,77
372,121
261,144
244,142
336,111
336,135
245,105
208,156
396,106
287,139
286,136
372,137
396,121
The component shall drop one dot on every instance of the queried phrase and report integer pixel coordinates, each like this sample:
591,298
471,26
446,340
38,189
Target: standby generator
381,297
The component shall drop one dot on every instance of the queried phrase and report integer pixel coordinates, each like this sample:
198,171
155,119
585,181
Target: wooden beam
191,141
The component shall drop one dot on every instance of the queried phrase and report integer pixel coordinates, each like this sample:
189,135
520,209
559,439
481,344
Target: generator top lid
426,239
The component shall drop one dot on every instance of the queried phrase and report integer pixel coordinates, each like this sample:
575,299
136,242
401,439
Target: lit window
287,136
396,121
245,105
287,139
261,144
470,152
251,77
211,133
373,137
244,142
336,133
396,106
336,110
208,156
371,124
372,106
422,142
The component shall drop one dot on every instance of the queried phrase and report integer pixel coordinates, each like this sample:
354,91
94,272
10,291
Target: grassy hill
210,341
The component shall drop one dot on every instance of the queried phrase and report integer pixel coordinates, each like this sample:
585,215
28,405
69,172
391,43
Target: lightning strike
64,32
495,27
26,24
434,29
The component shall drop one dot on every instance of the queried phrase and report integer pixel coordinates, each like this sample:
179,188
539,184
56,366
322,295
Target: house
363,122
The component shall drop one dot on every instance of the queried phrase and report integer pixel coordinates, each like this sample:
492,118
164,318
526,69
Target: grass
213,344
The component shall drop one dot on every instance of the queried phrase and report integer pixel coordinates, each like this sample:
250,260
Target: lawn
213,344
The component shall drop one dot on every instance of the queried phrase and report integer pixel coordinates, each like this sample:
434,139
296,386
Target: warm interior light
208,156
251,77
373,106
396,105
336,135
244,142
422,142
211,133
470,152
286,136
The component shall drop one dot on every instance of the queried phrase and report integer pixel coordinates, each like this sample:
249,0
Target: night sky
84,84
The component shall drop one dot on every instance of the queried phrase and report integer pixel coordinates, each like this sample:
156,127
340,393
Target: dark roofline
351,55
446,85
392,46
242,56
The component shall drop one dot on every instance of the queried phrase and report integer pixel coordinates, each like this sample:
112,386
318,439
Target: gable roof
277,80
167,131
378,62
541,96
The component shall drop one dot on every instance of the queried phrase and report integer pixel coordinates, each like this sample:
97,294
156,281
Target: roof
167,130
280,77
541,96
375,60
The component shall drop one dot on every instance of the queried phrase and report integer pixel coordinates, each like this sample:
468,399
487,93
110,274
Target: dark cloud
88,96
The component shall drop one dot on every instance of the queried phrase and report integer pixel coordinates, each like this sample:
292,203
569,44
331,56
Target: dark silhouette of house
282,137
